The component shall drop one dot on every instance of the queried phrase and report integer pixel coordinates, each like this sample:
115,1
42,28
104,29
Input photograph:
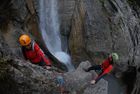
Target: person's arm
41,53
47,61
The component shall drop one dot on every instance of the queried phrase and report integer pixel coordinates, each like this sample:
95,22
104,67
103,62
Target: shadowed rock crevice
129,78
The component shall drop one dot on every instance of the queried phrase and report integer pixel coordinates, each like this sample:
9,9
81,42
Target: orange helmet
24,40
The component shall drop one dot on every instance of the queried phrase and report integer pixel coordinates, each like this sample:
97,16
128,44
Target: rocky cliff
103,27
90,28
100,27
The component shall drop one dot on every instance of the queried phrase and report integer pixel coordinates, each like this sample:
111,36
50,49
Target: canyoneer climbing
105,68
31,51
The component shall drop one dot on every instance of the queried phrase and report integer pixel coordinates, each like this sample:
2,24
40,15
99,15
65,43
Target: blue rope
60,80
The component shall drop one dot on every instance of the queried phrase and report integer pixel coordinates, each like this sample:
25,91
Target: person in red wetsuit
105,68
31,51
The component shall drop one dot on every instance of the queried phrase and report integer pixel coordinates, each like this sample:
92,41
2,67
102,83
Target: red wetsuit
35,54
106,67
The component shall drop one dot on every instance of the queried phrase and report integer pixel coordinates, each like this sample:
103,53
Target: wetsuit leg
94,67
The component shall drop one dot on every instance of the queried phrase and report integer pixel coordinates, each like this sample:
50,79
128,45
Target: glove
93,82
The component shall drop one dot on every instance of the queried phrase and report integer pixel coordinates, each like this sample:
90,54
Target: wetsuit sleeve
94,67
41,53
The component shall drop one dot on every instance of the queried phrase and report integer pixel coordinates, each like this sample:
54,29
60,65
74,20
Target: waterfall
49,26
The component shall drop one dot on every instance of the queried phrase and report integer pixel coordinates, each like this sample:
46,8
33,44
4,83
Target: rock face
66,11
100,27
98,89
32,79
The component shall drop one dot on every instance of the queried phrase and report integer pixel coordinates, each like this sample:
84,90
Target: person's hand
92,82
48,67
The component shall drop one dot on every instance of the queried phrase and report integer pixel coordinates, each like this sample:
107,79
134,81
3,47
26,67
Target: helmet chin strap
29,47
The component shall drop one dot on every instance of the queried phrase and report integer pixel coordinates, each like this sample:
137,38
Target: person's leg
94,67
94,81
99,77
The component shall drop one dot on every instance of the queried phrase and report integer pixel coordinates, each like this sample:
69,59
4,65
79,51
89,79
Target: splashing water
63,57
49,26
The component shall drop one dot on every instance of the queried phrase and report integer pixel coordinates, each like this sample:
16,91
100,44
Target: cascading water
49,26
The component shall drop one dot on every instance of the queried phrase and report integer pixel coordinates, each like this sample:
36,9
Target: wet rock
94,28
78,78
100,88
101,27
33,79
